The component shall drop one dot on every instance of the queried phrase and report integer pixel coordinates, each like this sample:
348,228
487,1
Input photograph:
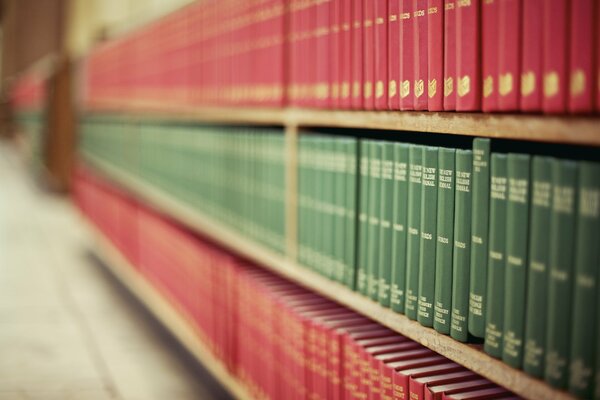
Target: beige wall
90,20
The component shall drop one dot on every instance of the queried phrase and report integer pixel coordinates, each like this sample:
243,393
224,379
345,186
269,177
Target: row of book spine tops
280,340
435,55
474,243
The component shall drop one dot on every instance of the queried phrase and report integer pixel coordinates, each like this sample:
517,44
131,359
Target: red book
293,54
407,64
449,55
418,385
381,53
375,353
555,66
509,77
531,56
582,83
346,54
481,394
402,377
368,54
357,54
420,54
490,54
323,52
335,48
435,55
393,54
370,383
389,370
468,55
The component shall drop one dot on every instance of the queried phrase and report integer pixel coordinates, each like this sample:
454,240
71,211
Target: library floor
68,330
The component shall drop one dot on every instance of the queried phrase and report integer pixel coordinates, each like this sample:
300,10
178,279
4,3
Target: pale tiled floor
68,330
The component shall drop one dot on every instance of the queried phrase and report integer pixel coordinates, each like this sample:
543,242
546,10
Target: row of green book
504,247
235,175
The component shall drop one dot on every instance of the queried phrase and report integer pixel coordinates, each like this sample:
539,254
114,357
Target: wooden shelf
468,355
565,129
172,319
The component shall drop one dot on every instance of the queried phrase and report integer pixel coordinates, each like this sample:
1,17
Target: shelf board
564,129
467,355
172,319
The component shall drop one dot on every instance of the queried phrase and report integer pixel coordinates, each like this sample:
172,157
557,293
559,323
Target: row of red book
280,340
463,55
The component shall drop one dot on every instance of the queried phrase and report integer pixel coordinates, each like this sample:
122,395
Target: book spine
393,56
414,225
597,49
537,279
449,55
322,52
509,74
311,204
320,222
479,236
400,218
560,278
517,225
494,312
346,62
468,86
406,54
587,258
329,207
435,55
381,53
444,240
351,233
428,234
340,210
335,53
583,78
420,54
555,55
461,257
369,54
374,222
357,54
363,220
489,54
386,220
531,56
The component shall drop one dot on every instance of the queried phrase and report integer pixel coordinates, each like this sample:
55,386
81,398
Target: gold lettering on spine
448,86
432,87
464,86
551,83
505,84
379,89
405,89
577,85
392,88
488,86
419,87
527,83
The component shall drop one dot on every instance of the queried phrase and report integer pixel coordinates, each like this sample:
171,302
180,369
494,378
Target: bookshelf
163,311
573,130
470,356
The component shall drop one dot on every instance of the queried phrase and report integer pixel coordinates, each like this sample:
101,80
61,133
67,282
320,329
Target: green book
413,240
584,336
363,212
494,317
385,223
329,209
374,212
399,222
445,241
560,278
350,248
537,278
318,204
515,283
479,236
461,257
339,237
313,203
302,198
427,247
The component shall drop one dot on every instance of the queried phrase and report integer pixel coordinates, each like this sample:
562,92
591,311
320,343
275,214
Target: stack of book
436,55
280,340
233,174
478,244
